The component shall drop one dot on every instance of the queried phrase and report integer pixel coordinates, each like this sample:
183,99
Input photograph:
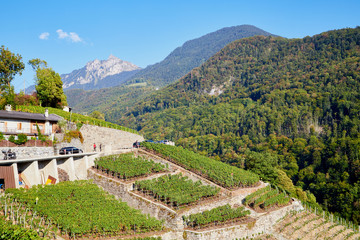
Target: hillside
179,62
192,54
268,103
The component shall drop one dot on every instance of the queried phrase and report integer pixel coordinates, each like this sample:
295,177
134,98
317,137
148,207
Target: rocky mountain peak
96,71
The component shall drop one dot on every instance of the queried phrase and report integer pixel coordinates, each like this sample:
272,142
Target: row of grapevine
253,195
81,207
216,171
175,190
27,223
9,231
266,198
125,166
146,238
215,216
74,117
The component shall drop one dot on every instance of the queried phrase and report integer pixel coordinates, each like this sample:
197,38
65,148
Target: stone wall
110,139
29,152
264,224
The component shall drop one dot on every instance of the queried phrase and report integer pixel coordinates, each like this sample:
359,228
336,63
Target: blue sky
68,34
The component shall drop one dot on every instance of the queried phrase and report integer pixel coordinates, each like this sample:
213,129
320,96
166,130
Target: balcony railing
27,131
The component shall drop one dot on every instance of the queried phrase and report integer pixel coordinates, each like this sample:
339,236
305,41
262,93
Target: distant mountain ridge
99,74
179,62
192,54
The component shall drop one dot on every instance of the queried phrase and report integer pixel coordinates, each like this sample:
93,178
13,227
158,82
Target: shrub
2,136
22,138
73,134
12,139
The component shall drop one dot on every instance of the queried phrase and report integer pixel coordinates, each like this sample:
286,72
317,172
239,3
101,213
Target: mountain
179,62
100,74
192,54
288,104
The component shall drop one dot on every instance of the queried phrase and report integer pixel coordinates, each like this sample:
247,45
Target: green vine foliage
73,134
8,231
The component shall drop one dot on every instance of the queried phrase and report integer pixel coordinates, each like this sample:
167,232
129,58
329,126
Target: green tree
97,115
10,65
48,85
37,63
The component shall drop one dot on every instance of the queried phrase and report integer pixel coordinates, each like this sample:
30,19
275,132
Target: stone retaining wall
121,190
264,224
29,152
110,139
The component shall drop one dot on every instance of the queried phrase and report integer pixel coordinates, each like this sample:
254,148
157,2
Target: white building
13,123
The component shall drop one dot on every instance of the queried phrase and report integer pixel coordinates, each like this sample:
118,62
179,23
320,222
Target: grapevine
217,215
216,171
175,190
80,208
125,166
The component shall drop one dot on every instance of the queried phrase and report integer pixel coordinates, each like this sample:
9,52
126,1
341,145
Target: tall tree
48,85
10,65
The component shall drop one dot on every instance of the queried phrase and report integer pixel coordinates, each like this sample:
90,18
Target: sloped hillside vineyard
175,190
216,171
125,166
81,207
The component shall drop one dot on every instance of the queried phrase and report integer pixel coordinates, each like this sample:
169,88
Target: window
19,125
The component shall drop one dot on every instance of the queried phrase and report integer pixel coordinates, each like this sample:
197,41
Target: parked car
70,150
136,144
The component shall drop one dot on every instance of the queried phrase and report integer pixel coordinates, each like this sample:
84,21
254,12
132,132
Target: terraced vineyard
175,190
218,172
127,166
216,216
306,225
78,208
267,198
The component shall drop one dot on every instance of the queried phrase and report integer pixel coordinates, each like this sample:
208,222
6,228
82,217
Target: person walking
94,147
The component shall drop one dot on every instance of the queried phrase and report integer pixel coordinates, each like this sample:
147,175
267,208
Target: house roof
28,116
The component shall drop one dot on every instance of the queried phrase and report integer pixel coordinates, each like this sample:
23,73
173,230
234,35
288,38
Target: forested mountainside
179,62
111,101
266,103
192,54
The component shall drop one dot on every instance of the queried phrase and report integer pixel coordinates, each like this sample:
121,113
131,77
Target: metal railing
27,131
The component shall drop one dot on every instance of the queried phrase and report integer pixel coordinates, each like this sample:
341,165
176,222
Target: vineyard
74,117
175,190
307,225
10,231
75,209
266,198
216,216
218,172
127,166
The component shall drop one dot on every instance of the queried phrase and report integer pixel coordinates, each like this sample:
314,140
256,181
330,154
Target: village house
14,122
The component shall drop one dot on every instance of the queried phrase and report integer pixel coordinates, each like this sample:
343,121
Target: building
13,123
